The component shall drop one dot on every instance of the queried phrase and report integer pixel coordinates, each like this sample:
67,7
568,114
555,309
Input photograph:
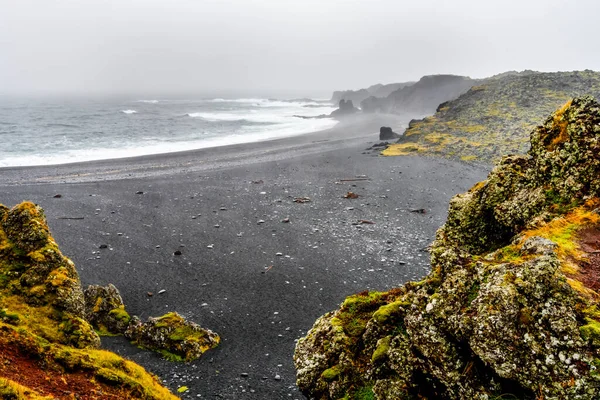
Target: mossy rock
172,336
511,304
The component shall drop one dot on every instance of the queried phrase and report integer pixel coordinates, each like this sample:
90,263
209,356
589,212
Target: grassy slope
495,117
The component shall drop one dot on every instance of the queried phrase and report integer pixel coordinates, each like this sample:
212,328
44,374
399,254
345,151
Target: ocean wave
148,101
232,117
161,144
128,111
271,102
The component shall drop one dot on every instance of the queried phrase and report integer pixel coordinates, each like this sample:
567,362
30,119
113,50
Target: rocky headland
495,116
510,308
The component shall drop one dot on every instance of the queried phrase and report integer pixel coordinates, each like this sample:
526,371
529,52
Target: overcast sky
301,47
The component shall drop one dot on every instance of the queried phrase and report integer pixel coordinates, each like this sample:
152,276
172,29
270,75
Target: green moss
120,314
364,393
388,311
331,374
591,331
381,351
473,292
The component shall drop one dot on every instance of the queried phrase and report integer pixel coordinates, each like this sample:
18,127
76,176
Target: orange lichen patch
575,234
560,123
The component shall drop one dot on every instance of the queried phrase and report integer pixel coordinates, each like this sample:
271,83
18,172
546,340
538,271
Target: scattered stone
57,196
177,253
260,221
302,200
139,192
350,195
103,246
161,291
277,377
285,220
418,211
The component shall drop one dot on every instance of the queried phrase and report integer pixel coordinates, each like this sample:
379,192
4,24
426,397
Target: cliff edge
511,306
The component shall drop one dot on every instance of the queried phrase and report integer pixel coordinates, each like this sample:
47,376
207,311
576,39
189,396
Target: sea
53,131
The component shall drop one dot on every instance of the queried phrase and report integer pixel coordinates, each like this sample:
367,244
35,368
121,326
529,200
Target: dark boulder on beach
386,133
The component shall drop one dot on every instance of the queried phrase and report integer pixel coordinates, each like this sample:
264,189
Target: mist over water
50,131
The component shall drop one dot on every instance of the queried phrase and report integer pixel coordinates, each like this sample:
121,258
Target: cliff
511,306
421,98
495,116
378,90
48,346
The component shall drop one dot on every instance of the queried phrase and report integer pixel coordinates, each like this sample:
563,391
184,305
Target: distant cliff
421,98
511,308
378,90
495,116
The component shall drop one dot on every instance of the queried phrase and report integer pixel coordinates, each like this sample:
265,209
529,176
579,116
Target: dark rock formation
172,336
105,310
421,98
511,305
386,133
377,90
346,107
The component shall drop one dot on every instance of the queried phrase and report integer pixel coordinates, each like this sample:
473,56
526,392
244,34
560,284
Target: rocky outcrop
48,348
495,116
172,336
346,107
377,91
37,274
510,307
386,133
421,98
105,310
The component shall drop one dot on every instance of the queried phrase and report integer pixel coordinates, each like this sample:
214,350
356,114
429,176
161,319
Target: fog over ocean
52,131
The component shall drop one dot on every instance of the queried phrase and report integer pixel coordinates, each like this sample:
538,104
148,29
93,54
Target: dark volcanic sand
258,301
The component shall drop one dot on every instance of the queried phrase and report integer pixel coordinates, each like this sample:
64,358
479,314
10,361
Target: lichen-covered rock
35,271
46,343
510,306
172,336
105,310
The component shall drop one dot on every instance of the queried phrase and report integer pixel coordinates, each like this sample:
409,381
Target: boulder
386,133
172,336
105,310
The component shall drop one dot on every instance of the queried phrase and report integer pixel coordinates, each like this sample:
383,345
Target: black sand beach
257,281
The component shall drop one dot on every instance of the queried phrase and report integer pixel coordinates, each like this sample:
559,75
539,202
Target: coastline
209,204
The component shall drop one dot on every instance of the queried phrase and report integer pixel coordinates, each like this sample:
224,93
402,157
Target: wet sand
257,281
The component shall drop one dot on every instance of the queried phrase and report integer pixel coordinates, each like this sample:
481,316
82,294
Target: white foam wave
232,117
160,145
270,102
148,101
128,111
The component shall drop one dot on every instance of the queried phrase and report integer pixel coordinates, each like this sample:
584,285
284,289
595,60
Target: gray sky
300,47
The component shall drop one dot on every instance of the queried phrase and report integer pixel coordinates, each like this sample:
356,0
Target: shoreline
258,282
